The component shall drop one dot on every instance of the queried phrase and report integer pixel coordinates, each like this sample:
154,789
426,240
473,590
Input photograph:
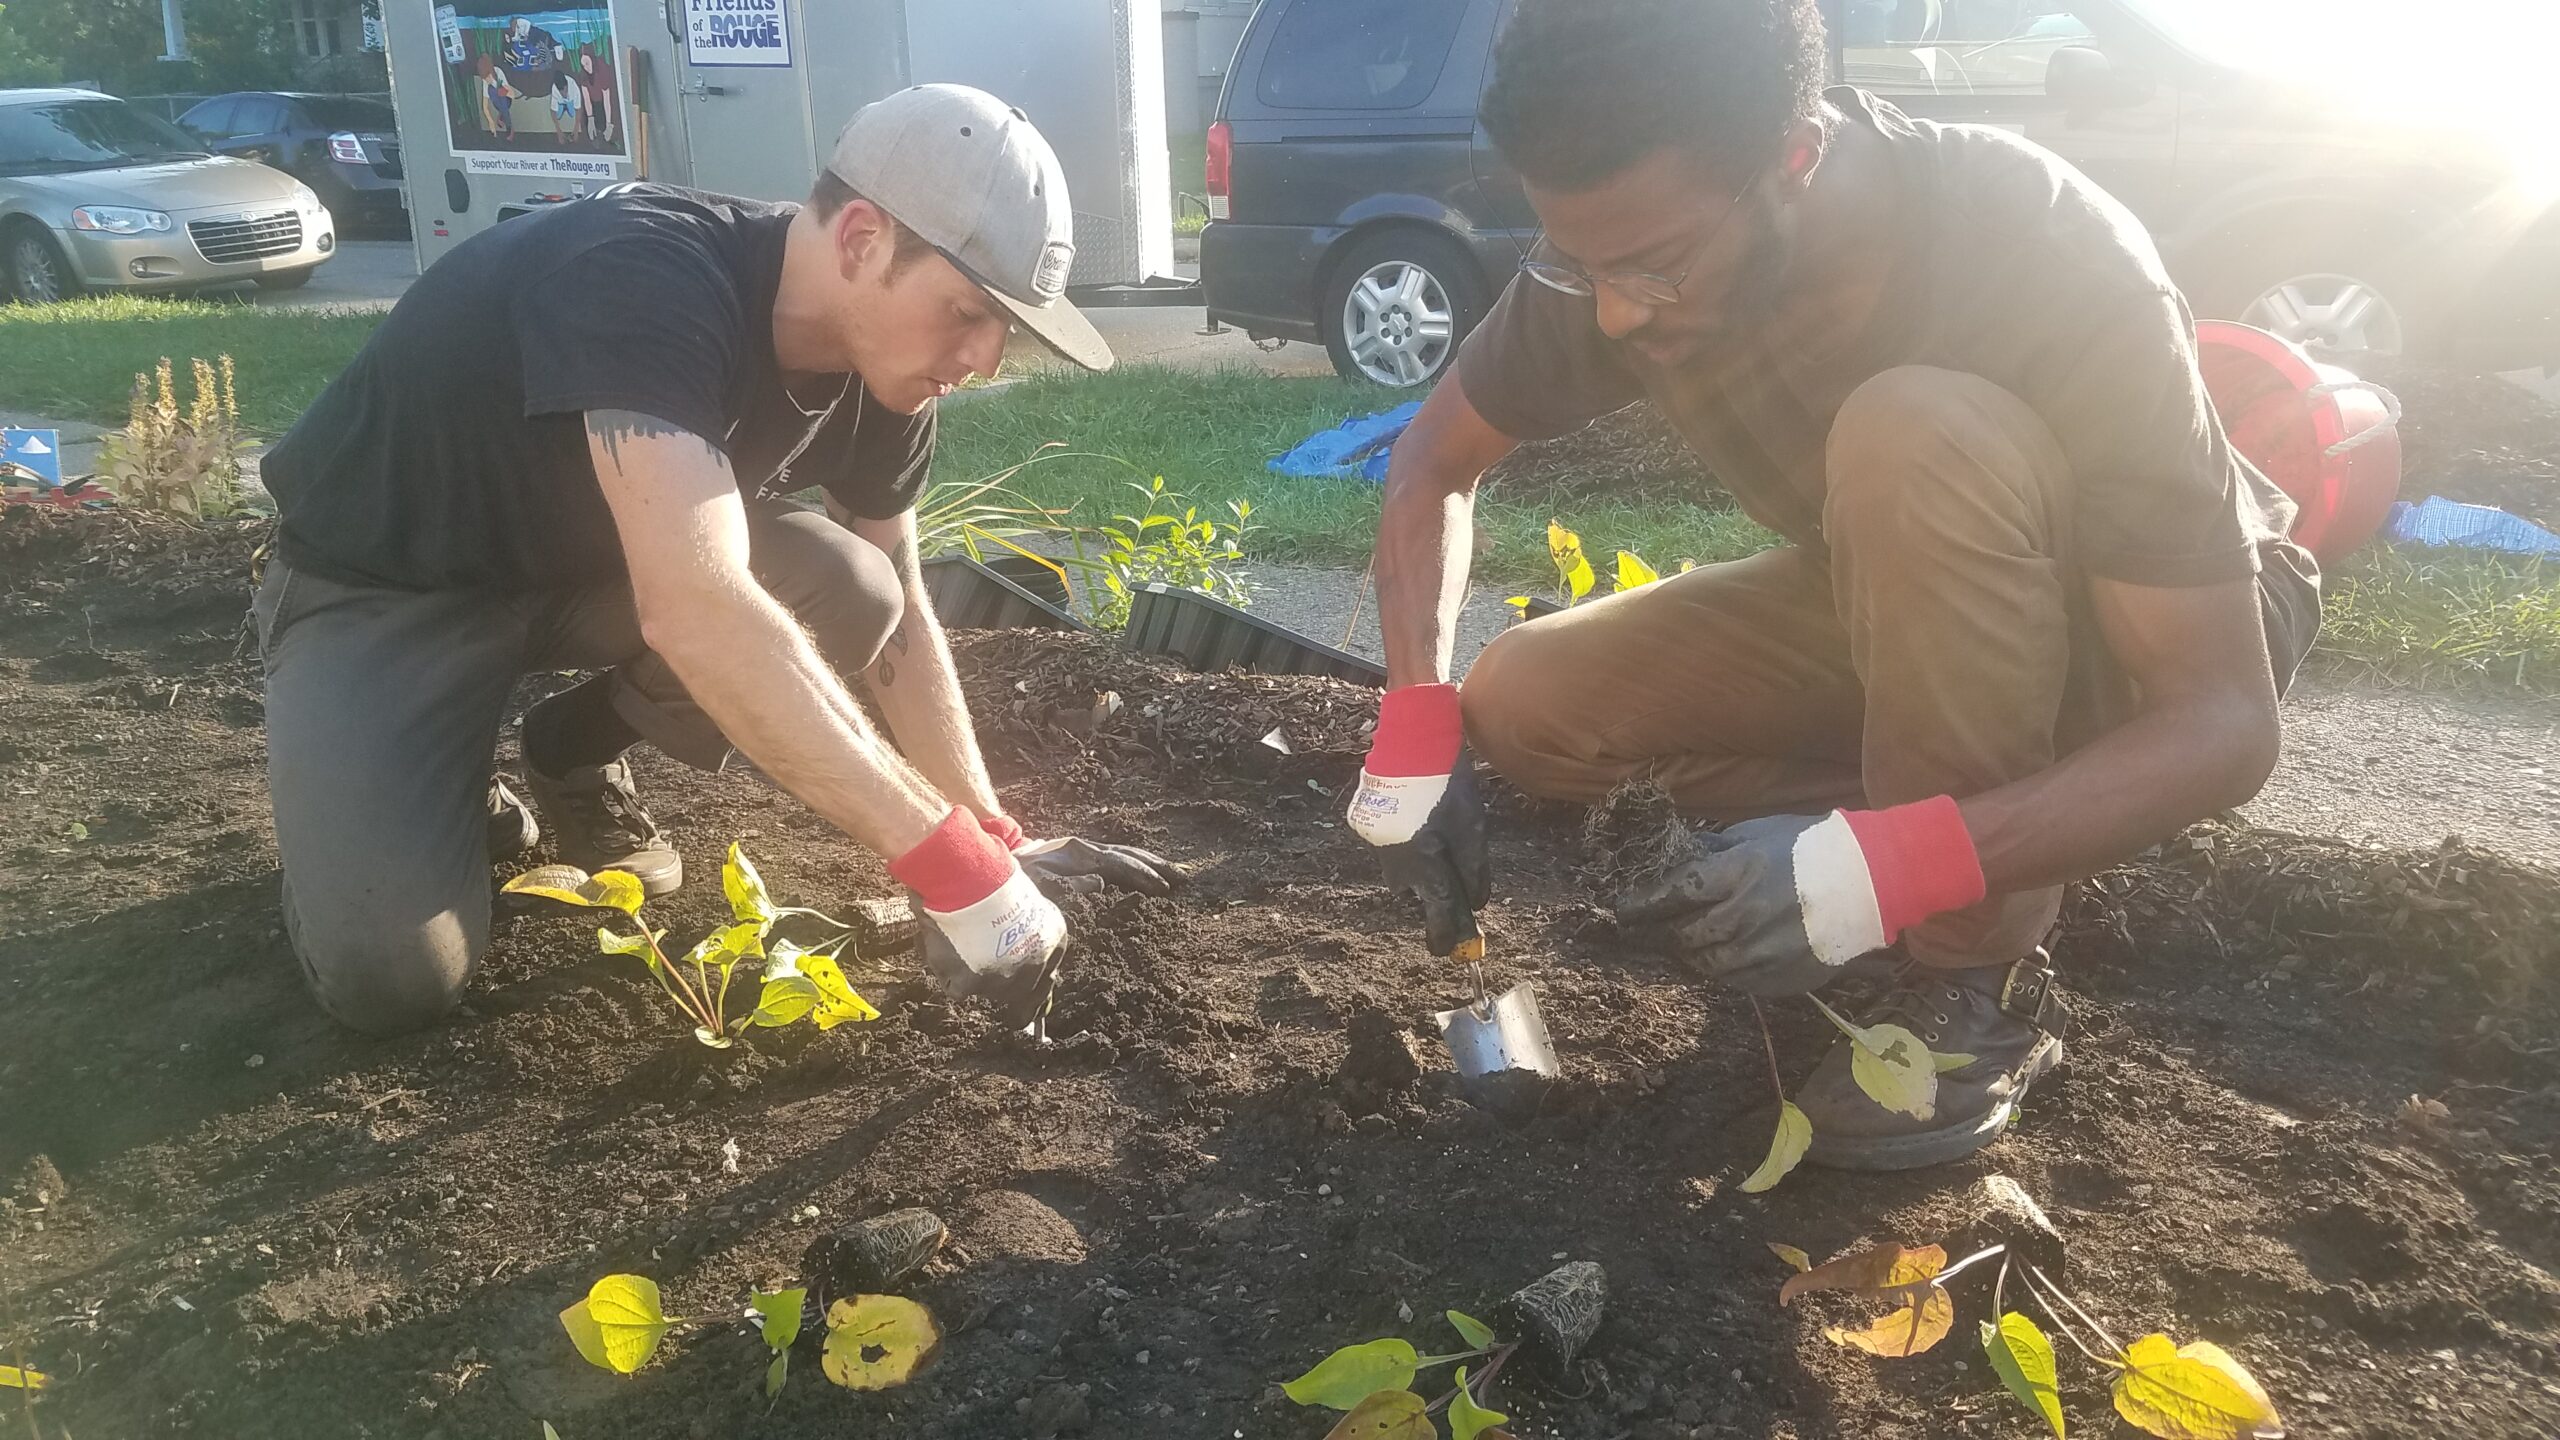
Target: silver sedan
96,194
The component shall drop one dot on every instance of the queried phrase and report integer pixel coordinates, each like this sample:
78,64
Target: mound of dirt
1631,455
1240,1153
2475,438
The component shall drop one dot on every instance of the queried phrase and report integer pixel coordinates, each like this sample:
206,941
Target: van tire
1398,305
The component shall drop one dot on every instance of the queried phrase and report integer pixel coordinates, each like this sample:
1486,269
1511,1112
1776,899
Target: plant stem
1968,1262
1999,1292
2075,1308
1769,1046
27,1392
670,977
2068,1333
1481,1384
1845,1027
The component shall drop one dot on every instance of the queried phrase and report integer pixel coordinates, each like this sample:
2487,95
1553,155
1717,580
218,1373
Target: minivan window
1359,54
66,135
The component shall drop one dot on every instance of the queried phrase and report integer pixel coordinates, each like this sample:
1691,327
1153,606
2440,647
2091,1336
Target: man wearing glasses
2030,615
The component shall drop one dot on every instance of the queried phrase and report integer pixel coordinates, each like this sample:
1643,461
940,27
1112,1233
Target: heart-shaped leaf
1895,1069
1477,1334
606,889
1786,1148
2023,1359
1467,1419
1633,572
778,1316
748,900
725,947
1386,1415
1353,1373
612,944
618,1326
878,1342
1918,1324
2192,1392
1884,1267
838,1003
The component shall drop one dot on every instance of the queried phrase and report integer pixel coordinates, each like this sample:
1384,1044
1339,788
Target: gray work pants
383,713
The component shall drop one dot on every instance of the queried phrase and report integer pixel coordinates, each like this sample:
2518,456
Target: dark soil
2476,438
1631,455
228,1219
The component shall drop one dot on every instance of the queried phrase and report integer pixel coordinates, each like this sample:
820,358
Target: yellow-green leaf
1386,1415
1786,1148
748,900
1884,1267
1353,1373
1467,1419
1943,1062
776,1373
1573,568
1796,1259
2192,1392
618,1326
1893,1067
778,1315
838,1003
1633,572
785,998
13,1378
1477,1334
2023,1359
606,889
612,944
725,947
1918,1324
548,1433
878,1342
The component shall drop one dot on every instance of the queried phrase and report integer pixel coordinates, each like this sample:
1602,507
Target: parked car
97,194
347,147
1359,204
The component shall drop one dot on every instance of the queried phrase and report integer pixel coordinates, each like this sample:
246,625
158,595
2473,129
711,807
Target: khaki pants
1943,647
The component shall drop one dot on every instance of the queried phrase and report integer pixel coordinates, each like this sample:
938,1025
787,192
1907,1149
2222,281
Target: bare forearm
1425,545
2131,789
918,689
752,668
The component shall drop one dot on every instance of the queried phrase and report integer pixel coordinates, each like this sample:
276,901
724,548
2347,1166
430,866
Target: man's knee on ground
847,593
387,979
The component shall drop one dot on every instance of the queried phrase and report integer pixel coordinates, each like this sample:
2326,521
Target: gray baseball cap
970,175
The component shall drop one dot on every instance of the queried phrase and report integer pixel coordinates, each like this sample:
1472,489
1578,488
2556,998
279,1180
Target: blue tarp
2479,527
1355,449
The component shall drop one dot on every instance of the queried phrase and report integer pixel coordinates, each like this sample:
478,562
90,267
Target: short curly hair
1582,89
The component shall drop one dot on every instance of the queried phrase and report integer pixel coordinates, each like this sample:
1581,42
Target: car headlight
118,220
307,200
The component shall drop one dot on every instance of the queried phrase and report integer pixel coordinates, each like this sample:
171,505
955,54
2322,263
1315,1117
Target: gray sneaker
596,817
2005,1016
512,830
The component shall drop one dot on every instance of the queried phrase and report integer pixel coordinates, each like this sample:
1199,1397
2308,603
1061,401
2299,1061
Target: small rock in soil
39,1183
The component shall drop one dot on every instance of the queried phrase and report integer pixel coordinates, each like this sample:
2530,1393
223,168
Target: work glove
1083,867
1776,906
987,929
1418,803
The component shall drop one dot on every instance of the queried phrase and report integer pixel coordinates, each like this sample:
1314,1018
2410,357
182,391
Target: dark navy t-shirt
452,454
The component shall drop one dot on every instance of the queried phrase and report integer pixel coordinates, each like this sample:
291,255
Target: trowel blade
1505,1060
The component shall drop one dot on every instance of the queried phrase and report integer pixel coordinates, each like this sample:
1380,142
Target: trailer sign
737,32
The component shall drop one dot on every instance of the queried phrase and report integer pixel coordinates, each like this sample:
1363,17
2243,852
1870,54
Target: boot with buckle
596,818
2006,1016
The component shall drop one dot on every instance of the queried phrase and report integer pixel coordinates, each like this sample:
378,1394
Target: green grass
1210,434
76,361
2456,619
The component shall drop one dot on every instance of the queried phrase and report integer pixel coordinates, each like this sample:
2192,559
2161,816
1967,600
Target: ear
1800,155
861,235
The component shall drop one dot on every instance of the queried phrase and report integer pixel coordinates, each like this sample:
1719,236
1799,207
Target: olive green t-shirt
2015,268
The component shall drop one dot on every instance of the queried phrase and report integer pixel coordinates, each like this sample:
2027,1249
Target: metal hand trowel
1499,1042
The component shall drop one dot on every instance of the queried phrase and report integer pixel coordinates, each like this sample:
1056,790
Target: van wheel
1399,304
2344,297
35,269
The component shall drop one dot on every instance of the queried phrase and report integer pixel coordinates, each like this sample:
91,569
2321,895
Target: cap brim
1060,326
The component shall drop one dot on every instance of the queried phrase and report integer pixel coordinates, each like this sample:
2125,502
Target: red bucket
2326,438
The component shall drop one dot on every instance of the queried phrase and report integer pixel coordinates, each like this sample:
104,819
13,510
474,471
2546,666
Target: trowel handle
1470,947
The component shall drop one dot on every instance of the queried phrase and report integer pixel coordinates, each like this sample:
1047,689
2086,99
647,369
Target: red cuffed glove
1777,906
988,929
1417,802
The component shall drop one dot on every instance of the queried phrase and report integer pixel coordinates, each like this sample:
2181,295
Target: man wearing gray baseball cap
568,447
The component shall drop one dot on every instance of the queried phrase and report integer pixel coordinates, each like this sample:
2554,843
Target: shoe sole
1933,1147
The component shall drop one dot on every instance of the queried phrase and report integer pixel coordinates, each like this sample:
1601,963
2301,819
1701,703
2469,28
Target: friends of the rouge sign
737,32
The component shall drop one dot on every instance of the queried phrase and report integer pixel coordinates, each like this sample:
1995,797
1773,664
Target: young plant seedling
797,982
2195,1391
1372,1384
1574,576
874,1342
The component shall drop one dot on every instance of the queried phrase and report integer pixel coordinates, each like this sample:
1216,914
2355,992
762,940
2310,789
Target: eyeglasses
1642,287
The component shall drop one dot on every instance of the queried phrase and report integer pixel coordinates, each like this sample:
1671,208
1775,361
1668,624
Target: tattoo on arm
613,428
